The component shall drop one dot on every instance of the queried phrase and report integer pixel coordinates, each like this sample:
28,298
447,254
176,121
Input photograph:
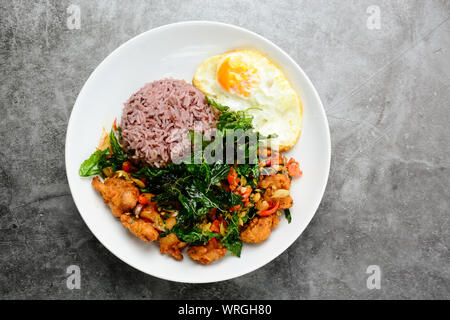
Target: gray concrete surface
386,93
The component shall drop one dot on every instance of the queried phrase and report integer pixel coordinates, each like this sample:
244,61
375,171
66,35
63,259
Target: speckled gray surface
386,93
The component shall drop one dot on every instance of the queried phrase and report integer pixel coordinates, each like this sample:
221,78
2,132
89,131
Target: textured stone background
386,93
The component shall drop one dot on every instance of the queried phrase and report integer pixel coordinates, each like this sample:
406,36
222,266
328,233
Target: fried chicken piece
141,229
170,223
206,254
285,203
259,229
171,245
120,194
273,185
270,195
276,181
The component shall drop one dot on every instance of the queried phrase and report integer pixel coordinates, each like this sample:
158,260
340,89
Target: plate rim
200,23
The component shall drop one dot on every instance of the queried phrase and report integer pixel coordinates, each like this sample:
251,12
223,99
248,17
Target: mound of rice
156,119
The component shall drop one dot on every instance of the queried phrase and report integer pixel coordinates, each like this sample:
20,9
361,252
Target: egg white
274,104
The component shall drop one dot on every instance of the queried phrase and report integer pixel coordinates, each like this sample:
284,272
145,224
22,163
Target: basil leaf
218,172
93,166
232,240
228,199
118,156
193,236
195,193
287,214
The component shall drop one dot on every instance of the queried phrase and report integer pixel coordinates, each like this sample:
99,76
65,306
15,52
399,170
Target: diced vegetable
280,193
232,179
215,226
235,208
293,168
245,193
138,182
272,209
142,199
126,166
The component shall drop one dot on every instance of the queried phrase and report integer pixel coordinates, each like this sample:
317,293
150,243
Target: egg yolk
237,76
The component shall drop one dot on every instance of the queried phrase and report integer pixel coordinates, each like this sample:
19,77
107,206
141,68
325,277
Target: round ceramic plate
176,50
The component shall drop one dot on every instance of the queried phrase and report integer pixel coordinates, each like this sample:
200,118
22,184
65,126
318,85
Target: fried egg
247,80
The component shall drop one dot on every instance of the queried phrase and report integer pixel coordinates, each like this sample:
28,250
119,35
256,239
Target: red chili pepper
232,175
115,124
246,194
126,166
270,210
293,168
235,208
144,180
142,199
232,179
215,226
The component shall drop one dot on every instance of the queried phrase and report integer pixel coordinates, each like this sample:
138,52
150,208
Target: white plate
176,50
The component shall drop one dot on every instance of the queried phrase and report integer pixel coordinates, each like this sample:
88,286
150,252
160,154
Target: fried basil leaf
118,156
287,214
93,165
218,172
193,236
228,199
232,240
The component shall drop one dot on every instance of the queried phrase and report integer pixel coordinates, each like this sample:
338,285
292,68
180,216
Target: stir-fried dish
208,207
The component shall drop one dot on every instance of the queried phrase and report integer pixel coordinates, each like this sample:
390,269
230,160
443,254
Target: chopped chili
270,210
235,208
126,166
232,179
215,226
143,199
293,168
